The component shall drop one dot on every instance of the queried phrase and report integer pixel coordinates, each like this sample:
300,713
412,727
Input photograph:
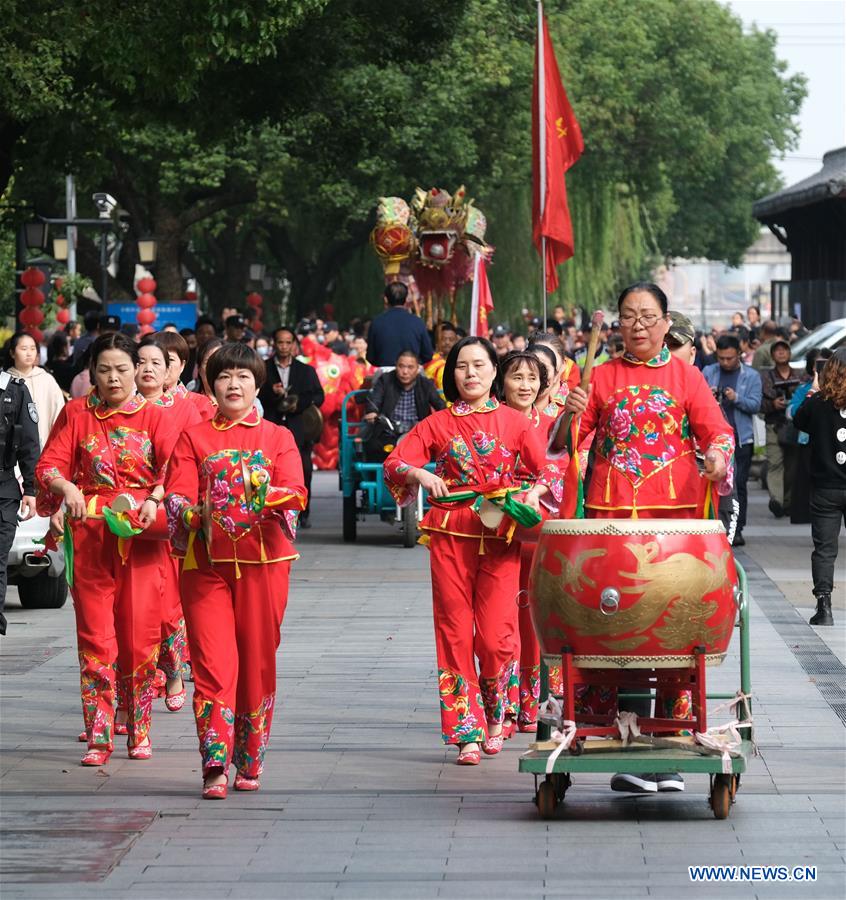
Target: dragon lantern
430,245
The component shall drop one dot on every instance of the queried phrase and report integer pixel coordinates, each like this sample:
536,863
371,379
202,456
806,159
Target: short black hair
151,340
172,341
728,342
235,355
113,340
92,320
396,293
512,360
205,320
288,328
450,388
411,353
549,339
647,287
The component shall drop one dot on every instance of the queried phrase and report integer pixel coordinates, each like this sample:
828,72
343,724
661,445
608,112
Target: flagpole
542,148
474,298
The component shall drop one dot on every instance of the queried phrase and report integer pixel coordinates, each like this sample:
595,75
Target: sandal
468,757
95,758
244,783
141,751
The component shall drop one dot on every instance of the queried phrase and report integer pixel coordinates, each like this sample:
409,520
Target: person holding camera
822,416
290,396
737,388
778,385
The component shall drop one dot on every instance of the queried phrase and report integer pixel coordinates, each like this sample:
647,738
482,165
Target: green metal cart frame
636,759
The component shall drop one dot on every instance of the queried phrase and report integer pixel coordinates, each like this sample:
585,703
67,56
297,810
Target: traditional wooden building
809,218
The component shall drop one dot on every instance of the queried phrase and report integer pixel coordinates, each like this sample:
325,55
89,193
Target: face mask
263,352
320,339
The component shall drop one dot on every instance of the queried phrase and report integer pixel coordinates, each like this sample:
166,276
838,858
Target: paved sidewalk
360,799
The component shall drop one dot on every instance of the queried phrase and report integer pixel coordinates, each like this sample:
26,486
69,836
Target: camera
105,203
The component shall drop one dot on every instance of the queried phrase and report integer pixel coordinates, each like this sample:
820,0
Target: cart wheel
349,519
409,525
735,786
721,796
561,782
546,800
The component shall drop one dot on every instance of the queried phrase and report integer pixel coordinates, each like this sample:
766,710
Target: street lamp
257,271
60,249
36,235
147,250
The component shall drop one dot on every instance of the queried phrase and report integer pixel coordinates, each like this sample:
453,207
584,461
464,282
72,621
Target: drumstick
593,342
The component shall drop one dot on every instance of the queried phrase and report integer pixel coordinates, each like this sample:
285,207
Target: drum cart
363,484
591,755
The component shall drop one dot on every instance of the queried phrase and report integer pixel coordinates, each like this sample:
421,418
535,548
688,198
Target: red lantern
146,301
145,317
255,299
146,285
31,315
58,283
33,277
36,333
31,296
60,300
146,329
63,317
190,295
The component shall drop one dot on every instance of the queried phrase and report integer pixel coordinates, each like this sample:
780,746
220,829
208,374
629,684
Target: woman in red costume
112,442
234,488
523,379
156,361
647,408
478,446
566,375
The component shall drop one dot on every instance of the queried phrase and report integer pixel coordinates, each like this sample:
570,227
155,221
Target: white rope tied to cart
626,723
563,732
726,739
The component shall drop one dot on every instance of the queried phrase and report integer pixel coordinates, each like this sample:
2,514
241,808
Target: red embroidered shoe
82,737
175,702
95,758
121,728
492,745
508,727
141,751
243,783
527,727
468,757
214,791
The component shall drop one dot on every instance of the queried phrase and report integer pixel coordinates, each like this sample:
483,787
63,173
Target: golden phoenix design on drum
634,593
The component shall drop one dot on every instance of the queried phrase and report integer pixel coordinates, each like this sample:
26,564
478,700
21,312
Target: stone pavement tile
320,860
367,890
275,890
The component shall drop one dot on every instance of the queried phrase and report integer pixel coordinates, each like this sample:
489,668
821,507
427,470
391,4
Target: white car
830,334
40,579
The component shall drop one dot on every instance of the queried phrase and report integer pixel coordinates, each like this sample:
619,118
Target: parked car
40,579
830,334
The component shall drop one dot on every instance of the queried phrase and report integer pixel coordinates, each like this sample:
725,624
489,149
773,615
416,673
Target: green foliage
240,130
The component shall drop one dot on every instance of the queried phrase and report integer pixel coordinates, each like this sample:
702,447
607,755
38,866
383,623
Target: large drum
638,593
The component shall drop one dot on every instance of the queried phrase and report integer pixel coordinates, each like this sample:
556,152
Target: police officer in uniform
18,444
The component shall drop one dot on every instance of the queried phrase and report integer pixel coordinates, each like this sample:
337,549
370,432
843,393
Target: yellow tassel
445,519
123,549
92,506
424,540
634,504
608,486
190,557
672,486
482,545
511,529
237,567
263,556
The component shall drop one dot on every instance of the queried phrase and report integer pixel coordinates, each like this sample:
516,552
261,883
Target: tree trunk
167,231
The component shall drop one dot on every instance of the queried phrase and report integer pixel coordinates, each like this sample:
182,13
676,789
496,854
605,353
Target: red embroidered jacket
471,448
236,482
104,451
646,416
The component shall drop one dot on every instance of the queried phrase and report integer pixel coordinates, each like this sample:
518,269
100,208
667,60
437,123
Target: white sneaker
669,781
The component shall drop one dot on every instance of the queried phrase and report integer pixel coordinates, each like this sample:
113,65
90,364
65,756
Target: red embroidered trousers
173,652
475,611
118,622
233,631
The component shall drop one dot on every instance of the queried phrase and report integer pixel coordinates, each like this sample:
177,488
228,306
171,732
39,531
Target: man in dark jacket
405,396
396,330
290,388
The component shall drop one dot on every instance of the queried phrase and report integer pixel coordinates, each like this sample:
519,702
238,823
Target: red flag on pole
482,299
556,145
